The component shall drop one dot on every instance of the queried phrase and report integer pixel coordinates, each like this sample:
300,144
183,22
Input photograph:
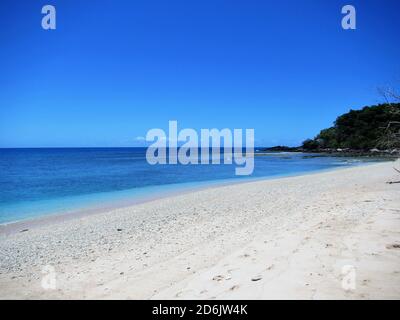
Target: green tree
370,127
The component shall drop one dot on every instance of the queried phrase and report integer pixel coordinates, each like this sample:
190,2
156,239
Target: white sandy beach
291,238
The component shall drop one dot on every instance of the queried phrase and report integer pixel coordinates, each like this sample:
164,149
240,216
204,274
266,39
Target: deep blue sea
37,182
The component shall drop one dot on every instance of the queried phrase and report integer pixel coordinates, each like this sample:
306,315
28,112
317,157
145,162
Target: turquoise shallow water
37,182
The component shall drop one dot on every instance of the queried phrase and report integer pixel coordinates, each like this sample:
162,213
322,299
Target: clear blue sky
114,69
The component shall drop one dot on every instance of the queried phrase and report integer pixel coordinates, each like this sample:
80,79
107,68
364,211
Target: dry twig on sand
391,182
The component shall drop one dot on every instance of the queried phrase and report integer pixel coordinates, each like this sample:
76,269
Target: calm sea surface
36,182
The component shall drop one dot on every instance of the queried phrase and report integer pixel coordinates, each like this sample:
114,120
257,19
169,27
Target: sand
331,235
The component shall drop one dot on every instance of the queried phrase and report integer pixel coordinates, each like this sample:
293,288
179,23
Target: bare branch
389,94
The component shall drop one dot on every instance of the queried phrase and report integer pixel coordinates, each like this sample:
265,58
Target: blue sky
112,70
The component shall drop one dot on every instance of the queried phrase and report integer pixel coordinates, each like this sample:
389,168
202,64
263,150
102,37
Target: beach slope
330,235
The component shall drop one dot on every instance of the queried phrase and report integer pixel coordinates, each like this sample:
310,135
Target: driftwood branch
391,182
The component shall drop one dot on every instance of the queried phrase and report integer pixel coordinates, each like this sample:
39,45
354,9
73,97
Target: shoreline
274,238
56,217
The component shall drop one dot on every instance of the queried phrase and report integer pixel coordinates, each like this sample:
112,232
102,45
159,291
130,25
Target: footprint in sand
178,294
365,282
218,278
393,246
270,267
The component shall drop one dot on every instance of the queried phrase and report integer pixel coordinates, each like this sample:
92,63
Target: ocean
43,181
